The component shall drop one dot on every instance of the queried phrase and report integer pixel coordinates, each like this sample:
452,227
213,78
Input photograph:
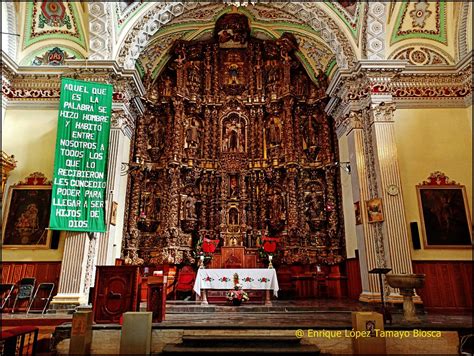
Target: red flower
209,246
270,244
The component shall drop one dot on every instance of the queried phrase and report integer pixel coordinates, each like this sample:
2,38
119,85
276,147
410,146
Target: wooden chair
185,281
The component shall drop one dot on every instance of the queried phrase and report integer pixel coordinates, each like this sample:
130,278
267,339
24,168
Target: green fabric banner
80,167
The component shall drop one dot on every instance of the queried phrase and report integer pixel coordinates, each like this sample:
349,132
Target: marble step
232,341
218,344
239,350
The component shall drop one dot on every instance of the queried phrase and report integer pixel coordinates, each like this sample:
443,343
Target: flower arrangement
237,295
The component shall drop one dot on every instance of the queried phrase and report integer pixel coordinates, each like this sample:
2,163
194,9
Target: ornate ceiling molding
100,46
53,20
375,45
311,13
412,21
11,43
422,55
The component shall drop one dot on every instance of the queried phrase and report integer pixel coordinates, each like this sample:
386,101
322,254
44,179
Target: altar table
249,278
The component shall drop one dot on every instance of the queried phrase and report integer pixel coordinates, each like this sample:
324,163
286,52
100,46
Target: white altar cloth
249,278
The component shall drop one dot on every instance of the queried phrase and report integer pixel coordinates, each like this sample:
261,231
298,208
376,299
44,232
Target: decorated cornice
435,86
24,85
370,83
374,82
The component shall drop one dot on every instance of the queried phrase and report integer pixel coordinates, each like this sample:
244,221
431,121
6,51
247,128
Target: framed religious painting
113,213
444,212
374,210
26,217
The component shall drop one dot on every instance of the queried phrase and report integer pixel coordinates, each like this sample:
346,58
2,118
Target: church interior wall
31,134
430,140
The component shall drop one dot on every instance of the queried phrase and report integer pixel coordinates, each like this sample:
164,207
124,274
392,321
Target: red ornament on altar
270,244
209,246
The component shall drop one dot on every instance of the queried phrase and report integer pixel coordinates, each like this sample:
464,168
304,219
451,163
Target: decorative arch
315,15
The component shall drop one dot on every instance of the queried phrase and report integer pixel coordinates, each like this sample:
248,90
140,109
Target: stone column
83,251
395,229
363,108
119,134
79,249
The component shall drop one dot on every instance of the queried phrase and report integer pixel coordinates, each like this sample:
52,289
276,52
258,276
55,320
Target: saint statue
190,207
233,217
233,137
314,205
274,133
192,134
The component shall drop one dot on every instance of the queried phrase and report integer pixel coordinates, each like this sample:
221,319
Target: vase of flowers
237,296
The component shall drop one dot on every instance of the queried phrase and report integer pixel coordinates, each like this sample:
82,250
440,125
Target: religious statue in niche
233,73
233,78
233,135
156,137
152,203
193,134
233,216
311,128
274,131
150,207
300,86
314,208
194,77
276,210
167,86
234,186
273,77
190,207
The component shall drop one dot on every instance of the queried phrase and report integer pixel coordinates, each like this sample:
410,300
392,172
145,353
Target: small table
249,278
386,313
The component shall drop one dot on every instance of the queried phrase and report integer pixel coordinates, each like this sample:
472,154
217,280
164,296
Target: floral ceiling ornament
53,13
420,14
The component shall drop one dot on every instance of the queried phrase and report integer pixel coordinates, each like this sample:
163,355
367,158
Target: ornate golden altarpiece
234,144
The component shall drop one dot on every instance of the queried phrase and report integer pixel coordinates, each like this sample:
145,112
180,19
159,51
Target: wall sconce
138,165
346,166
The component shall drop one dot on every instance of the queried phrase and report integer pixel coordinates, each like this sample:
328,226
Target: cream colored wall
347,201
30,135
430,140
